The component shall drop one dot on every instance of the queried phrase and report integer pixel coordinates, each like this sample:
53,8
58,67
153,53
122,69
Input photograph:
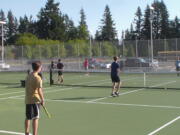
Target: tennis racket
46,111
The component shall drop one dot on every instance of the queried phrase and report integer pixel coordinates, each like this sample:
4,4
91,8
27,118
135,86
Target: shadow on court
77,98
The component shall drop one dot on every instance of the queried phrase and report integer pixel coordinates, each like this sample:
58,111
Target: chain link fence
166,51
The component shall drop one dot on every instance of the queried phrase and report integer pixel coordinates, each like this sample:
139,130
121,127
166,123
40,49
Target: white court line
10,132
73,84
20,91
162,84
51,91
6,86
11,93
50,88
115,104
98,99
165,125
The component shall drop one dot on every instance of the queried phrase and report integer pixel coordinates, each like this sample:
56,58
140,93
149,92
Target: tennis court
86,109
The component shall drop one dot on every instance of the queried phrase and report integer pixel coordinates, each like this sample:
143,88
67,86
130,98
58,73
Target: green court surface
84,110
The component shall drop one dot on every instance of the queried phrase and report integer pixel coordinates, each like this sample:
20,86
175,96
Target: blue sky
122,10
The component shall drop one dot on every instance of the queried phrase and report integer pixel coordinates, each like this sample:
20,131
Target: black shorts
60,73
115,78
32,111
177,68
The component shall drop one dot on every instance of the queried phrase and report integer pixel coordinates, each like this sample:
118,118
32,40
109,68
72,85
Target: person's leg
27,127
118,88
113,89
35,126
58,81
61,79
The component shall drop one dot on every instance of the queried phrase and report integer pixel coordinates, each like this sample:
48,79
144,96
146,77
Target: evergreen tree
24,25
138,23
164,21
2,16
108,31
160,20
174,28
71,30
130,34
177,27
146,24
32,26
83,28
156,15
50,22
98,36
12,26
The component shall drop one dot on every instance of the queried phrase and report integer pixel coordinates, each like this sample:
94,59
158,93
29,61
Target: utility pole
151,31
2,36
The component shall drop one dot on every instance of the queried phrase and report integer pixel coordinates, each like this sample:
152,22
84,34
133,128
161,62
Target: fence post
144,79
100,49
58,51
22,52
39,52
136,48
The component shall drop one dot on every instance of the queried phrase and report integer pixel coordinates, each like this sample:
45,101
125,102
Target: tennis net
101,78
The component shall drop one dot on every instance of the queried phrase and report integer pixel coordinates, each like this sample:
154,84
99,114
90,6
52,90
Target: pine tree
177,27
130,34
12,26
160,20
71,30
83,28
164,21
2,16
32,26
146,24
108,31
24,25
50,22
138,23
98,36
174,28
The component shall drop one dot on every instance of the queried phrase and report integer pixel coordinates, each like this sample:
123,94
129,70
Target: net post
144,79
50,77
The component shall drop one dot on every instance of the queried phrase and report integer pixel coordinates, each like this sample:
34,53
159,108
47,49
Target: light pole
2,36
151,31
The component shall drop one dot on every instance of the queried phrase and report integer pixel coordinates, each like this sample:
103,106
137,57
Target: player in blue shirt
115,69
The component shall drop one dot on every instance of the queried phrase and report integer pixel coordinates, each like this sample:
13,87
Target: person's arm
62,66
118,69
40,92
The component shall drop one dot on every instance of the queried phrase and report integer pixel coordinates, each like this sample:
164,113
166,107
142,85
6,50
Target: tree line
162,26
52,24
53,27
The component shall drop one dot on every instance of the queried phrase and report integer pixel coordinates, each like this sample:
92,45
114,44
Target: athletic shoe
117,93
113,95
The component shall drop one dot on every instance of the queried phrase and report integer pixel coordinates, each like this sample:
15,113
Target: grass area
90,110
